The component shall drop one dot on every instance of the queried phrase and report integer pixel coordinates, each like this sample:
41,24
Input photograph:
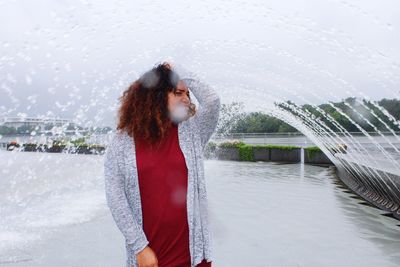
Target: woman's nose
186,100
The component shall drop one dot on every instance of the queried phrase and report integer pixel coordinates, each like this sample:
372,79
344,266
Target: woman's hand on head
147,258
169,65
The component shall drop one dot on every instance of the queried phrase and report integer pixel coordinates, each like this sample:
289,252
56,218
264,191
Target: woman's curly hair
144,104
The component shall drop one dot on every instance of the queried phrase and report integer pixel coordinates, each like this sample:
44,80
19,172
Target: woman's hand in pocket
147,258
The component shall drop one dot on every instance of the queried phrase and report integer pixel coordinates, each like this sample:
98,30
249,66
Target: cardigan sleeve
117,202
207,115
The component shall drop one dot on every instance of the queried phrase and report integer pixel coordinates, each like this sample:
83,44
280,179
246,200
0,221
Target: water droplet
28,80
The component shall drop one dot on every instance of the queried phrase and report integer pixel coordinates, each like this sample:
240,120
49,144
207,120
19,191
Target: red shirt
163,176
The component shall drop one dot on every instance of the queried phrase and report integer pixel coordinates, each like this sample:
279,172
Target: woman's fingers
169,65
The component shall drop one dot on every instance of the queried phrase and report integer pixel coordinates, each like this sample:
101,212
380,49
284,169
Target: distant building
33,122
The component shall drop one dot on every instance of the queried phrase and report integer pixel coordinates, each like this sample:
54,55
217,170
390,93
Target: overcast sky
74,58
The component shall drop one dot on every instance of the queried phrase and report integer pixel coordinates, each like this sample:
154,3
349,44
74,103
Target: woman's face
180,96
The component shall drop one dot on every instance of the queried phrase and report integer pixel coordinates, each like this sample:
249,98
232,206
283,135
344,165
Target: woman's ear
192,109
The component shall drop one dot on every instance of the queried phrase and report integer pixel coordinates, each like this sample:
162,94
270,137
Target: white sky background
74,58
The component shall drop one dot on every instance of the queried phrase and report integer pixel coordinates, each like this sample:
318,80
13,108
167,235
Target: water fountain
82,57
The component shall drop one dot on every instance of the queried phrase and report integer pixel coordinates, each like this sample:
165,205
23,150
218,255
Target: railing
291,134
288,138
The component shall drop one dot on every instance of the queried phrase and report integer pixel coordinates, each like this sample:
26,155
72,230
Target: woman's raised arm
207,115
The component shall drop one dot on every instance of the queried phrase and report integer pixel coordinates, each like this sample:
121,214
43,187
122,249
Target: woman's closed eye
180,93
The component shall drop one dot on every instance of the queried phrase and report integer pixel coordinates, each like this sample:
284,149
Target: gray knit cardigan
121,179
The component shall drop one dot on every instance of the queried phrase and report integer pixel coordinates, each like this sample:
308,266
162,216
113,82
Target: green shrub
29,144
78,141
246,152
311,151
211,145
233,143
96,146
277,146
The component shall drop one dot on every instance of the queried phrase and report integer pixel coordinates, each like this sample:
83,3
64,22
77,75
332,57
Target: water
53,211
40,192
295,215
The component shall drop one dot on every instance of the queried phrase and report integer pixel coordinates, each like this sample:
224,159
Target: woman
154,172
